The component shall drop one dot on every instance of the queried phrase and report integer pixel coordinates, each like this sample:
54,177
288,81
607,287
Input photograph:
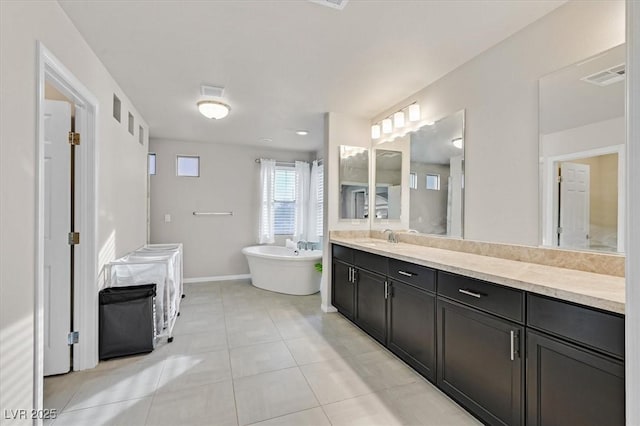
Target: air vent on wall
606,77
334,4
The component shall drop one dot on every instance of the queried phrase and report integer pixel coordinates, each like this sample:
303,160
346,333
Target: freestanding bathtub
284,270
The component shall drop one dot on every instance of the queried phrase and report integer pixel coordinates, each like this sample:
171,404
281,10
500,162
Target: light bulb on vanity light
398,120
387,126
375,131
414,112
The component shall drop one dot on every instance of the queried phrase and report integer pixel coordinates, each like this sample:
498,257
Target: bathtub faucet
392,236
306,245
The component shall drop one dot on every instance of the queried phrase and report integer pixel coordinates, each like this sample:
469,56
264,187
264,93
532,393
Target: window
413,180
131,123
284,200
152,163
433,182
188,166
117,107
320,199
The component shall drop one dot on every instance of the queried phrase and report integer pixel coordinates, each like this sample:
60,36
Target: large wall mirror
354,182
388,178
582,149
436,178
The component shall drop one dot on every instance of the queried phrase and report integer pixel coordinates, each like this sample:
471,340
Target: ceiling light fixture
375,131
398,120
302,132
213,109
387,126
414,112
457,142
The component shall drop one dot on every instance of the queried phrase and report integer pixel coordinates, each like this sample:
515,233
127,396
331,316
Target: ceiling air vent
334,4
606,77
214,91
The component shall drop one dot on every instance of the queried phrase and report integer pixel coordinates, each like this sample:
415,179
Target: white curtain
314,212
302,200
267,217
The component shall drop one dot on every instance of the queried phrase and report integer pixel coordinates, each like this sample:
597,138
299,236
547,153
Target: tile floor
244,356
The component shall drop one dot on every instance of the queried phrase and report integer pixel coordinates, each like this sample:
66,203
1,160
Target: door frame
549,220
85,309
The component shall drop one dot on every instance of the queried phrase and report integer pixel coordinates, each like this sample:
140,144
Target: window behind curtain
284,200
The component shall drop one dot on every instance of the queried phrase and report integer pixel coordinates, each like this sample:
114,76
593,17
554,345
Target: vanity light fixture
213,109
398,120
302,132
387,126
375,131
457,142
414,112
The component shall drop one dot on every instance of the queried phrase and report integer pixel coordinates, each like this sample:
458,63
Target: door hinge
74,238
559,230
73,337
74,138
559,180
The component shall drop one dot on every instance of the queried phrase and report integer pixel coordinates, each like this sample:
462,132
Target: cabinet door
479,363
343,290
371,304
412,327
569,385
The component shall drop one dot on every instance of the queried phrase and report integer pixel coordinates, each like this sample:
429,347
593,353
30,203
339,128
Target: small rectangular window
117,107
433,182
188,165
284,201
141,135
413,180
152,163
131,123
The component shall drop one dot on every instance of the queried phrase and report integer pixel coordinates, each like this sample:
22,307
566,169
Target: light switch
167,218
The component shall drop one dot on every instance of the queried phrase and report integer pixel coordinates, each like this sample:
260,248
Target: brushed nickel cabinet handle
513,352
470,293
406,274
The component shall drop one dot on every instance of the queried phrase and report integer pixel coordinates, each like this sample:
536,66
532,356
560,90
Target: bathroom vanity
512,342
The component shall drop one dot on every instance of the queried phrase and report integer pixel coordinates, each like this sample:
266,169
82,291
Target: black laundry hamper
127,320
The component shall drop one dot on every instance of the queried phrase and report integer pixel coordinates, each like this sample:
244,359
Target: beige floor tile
260,358
107,387
312,417
203,323
272,394
58,390
131,412
185,371
202,405
382,370
421,403
249,328
335,380
366,410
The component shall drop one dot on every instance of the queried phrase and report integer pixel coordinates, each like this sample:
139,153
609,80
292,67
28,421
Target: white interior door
57,260
574,205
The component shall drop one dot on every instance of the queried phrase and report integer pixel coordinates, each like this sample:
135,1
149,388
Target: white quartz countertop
599,291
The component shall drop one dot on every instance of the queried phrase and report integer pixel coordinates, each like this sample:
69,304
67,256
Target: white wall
499,91
229,181
584,138
121,176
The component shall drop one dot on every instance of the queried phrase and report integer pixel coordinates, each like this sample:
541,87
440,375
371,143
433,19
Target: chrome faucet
392,236
302,245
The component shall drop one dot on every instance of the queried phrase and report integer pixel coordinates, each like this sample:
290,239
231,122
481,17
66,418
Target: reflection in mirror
388,184
437,177
582,147
354,182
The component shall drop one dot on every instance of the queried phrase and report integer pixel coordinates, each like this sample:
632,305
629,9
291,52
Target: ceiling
285,63
566,101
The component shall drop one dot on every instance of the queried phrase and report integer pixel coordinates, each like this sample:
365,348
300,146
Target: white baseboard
217,278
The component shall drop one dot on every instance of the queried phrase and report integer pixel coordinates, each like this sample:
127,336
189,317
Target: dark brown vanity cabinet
412,327
575,367
343,288
371,304
480,347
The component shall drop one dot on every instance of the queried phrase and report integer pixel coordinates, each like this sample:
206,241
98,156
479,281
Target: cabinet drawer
416,275
498,300
343,253
370,261
599,330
